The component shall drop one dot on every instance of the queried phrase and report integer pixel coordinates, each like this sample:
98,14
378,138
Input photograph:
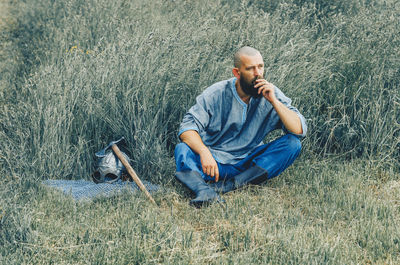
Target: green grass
316,212
75,75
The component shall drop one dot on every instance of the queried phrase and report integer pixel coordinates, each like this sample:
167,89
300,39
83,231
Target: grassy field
76,74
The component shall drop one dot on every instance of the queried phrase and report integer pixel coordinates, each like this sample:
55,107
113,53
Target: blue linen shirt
229,127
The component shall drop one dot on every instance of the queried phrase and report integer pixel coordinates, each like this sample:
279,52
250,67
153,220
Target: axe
128,167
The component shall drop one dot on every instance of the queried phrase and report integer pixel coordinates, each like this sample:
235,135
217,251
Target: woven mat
88,190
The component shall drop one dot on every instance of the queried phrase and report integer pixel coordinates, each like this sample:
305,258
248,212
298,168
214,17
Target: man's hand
266,89
288,117
209,165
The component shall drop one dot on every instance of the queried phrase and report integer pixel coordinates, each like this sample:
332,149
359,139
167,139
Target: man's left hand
266,89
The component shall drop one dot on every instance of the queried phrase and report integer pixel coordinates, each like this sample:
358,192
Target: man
222,134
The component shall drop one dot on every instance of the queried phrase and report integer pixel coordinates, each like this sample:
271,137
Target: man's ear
236,73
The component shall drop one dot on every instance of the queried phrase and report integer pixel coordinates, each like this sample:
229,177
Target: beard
249,88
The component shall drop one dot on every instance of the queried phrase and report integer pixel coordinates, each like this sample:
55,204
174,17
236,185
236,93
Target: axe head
102,153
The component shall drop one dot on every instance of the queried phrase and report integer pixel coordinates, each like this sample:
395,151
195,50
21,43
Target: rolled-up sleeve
198,116
287,102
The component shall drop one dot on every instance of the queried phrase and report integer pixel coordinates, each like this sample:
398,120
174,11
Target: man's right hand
209,165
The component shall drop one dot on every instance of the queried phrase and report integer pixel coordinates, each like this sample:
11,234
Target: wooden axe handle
131,172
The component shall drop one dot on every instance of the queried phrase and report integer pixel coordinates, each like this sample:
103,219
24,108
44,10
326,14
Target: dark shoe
205,195
254,175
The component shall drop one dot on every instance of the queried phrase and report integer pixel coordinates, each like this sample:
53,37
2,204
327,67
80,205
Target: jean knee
185,158
182,148
293,143
183,153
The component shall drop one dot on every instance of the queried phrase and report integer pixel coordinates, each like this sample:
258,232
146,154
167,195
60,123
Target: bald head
246,50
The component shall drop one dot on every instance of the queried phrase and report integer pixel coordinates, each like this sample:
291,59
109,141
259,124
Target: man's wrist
275,103
204,151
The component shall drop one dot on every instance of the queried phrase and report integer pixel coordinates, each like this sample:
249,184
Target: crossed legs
274,157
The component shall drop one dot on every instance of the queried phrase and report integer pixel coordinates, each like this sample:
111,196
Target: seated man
222,135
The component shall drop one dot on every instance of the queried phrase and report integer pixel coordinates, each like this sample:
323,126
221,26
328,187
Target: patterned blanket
88,190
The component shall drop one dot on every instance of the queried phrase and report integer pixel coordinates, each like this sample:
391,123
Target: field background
77,74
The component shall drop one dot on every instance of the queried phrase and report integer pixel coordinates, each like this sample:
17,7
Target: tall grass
78,74
93,71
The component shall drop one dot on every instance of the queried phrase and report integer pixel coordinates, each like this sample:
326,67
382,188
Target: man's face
251,69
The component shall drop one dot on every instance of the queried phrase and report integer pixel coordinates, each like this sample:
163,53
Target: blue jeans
274,157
